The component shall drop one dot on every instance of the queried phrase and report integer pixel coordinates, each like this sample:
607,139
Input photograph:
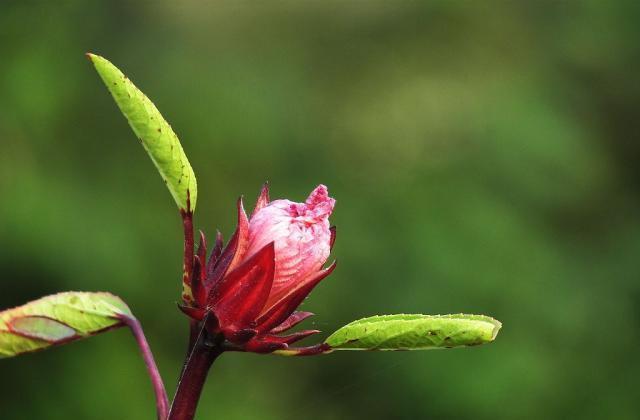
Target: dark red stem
193,378
187,267
200,353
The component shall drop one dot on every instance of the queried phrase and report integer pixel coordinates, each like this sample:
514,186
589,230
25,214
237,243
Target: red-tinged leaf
244,291
58,319
284,307
64,317
293,320
263,199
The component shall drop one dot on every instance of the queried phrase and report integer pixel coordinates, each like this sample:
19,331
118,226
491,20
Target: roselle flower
249,290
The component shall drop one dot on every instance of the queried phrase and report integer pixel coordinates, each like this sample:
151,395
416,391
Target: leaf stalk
162,403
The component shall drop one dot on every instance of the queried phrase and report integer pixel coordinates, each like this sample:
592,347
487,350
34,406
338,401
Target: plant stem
162,403
187,271
187,265
193,378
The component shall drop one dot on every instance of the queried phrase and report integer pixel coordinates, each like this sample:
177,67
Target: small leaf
154,132
414,332
59,319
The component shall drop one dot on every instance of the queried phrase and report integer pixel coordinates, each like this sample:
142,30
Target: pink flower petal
301,233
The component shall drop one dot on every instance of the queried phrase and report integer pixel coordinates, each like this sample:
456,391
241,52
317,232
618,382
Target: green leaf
59,319
154,132
414,332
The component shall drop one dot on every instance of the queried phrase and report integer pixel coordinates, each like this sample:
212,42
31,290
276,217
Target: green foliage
154,132
58,319
415,332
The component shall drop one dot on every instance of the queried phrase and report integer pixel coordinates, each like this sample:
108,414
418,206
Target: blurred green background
484,157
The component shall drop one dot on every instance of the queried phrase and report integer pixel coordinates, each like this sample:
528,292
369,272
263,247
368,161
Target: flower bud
301,236
249,291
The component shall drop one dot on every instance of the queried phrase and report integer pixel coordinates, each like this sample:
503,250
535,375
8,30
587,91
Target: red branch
187,264
194,375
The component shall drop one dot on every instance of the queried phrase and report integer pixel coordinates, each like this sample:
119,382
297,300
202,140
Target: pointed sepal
195,313
242,237
290,338
284,307
244,291
332,239
216,251
217,269
293,320
263,199
314,350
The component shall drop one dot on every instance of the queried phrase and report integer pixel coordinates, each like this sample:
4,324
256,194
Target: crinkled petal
301,233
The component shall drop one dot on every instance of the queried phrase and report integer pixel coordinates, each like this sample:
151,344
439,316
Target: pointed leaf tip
415,332
155,133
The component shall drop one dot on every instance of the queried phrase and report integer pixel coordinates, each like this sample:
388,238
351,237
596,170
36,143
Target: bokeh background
484,157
